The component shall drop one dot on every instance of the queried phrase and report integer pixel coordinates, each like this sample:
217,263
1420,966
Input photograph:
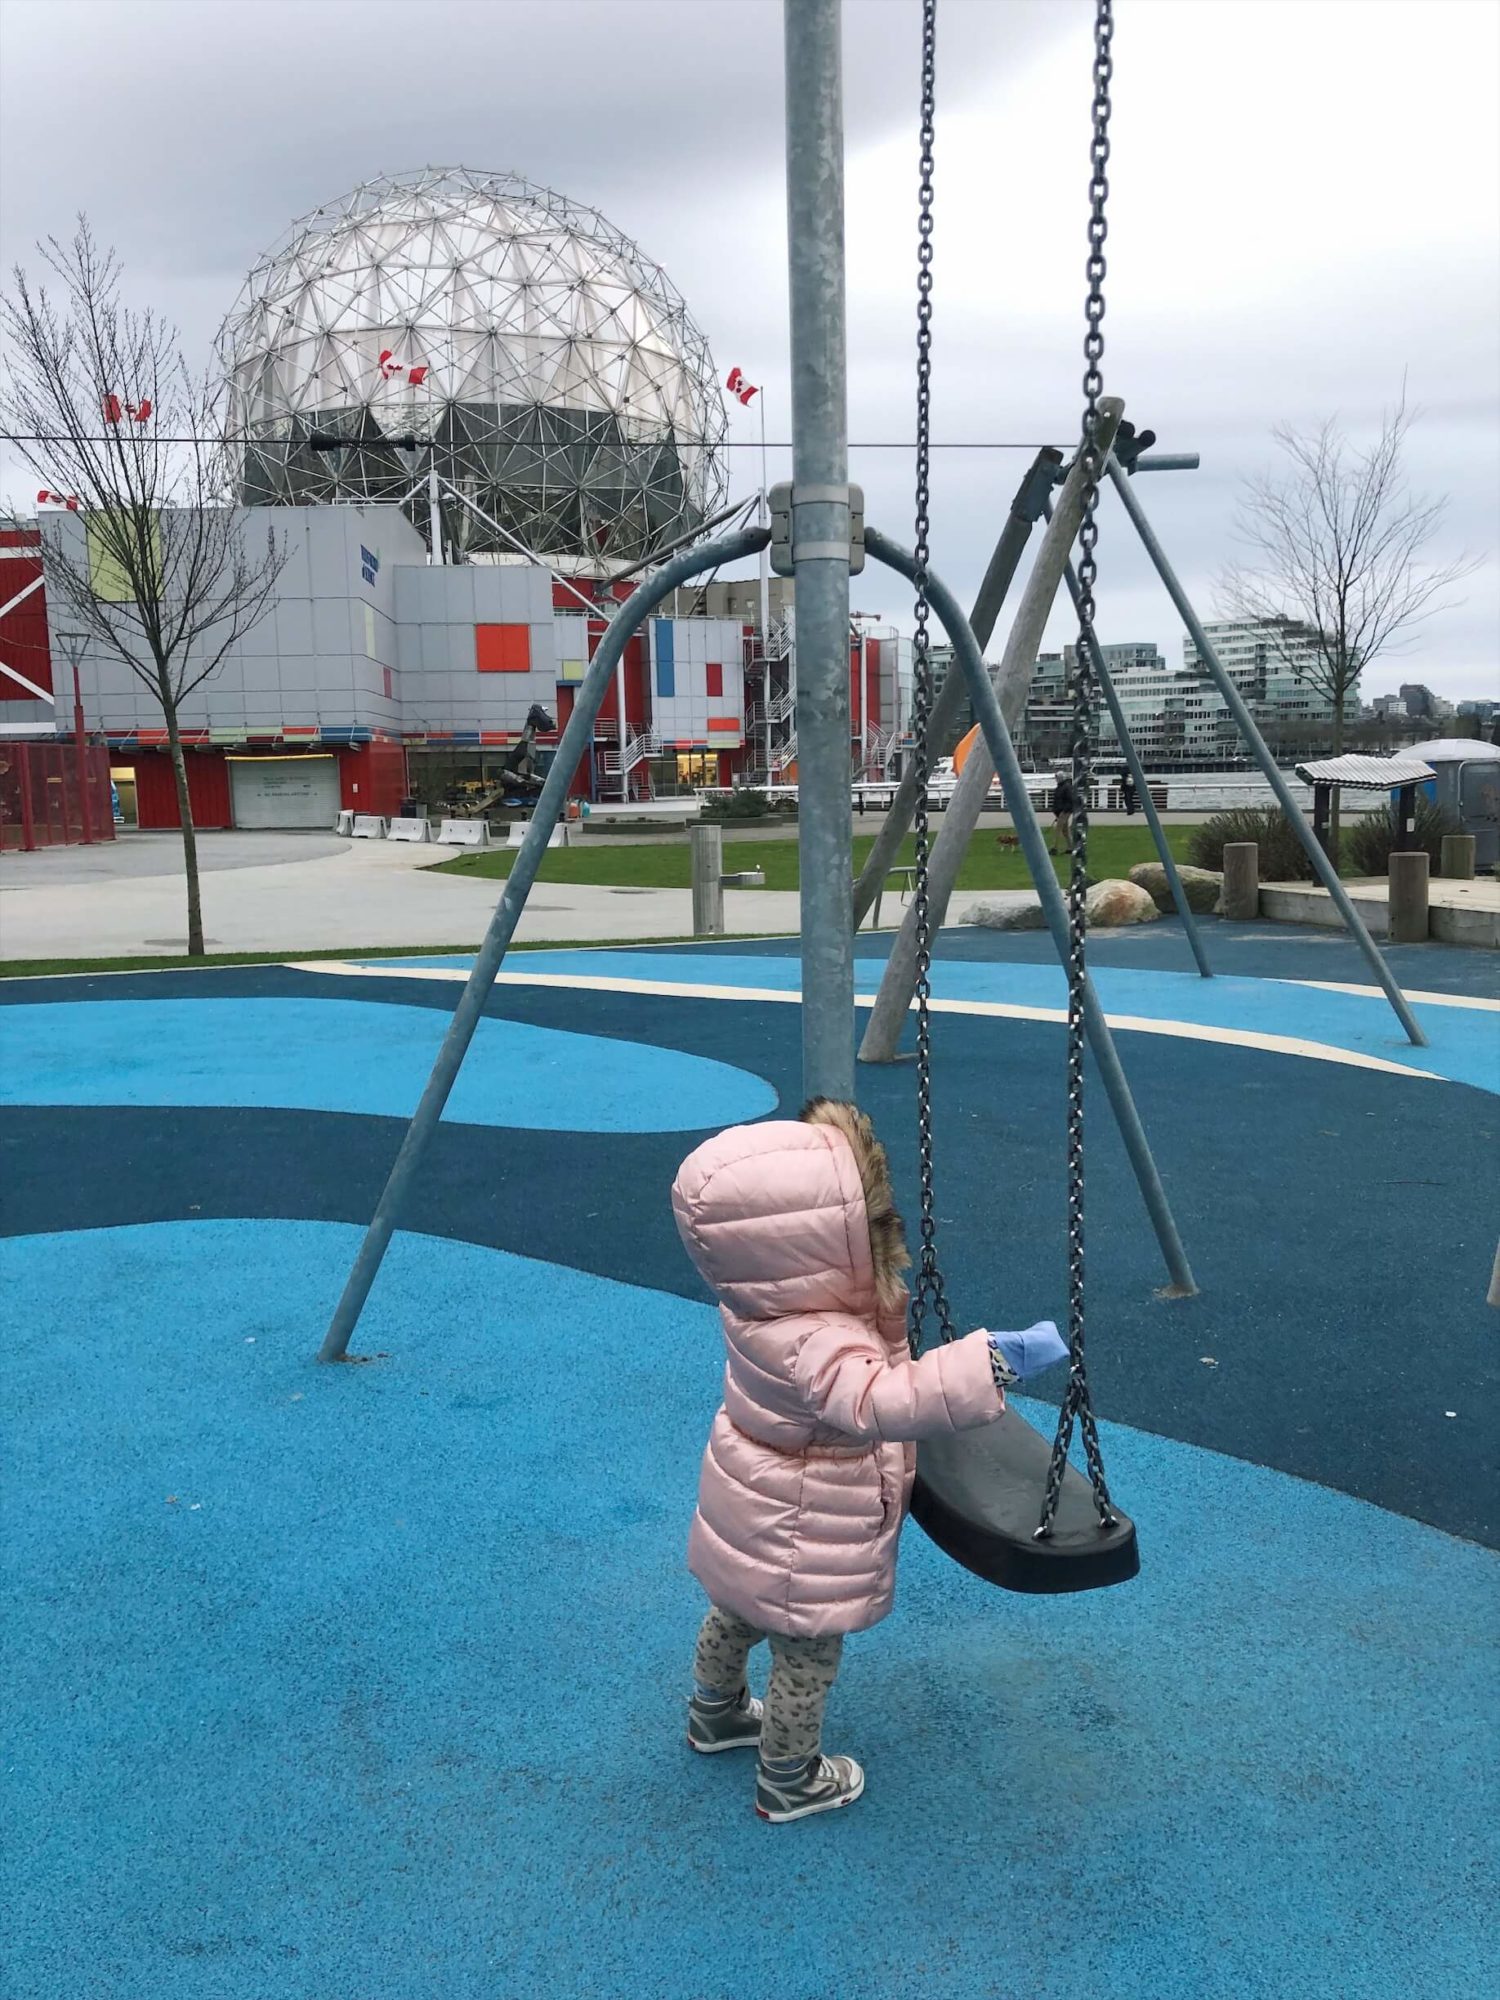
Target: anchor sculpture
519,777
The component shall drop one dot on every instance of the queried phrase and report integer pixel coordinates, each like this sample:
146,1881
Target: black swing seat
979,1497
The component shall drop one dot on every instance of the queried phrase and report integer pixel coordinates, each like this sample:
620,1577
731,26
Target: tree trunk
1333,803
189,832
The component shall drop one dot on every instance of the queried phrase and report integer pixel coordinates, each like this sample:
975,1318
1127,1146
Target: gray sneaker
724,1725
821,1785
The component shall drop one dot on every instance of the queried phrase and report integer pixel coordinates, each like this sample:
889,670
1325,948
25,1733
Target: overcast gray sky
1305,204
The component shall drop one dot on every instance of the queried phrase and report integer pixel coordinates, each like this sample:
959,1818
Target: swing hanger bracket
1046,471
1128,447
795,539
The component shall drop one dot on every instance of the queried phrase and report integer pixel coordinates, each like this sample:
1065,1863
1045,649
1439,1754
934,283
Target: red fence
40,801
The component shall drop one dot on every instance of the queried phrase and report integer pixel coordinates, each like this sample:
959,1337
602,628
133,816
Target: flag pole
765,588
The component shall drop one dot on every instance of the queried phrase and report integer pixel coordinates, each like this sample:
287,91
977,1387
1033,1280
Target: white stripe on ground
666,989
1477,1002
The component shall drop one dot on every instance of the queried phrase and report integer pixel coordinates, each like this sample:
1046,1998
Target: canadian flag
738,386
68,500
114,410
390,366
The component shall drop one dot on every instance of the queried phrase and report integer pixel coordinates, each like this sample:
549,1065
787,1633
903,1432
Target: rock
1009,916
1114,903
1202,885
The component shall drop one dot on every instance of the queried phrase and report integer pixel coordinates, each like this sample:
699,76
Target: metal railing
773,645
645,743
759,713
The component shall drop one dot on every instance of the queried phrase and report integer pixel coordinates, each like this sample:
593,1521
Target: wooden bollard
1407,898
1456,862
1242,880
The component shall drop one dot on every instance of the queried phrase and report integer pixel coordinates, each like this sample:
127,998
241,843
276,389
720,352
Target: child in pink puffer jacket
811,1458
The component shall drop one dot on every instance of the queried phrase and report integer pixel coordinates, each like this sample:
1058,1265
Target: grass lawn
1113,851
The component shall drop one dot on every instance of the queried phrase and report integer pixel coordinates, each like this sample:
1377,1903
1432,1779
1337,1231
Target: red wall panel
378,770
23,631
864,656
637,665
502,649
156,788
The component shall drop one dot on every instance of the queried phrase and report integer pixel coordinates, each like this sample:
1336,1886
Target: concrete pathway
298,894
131,855
313,892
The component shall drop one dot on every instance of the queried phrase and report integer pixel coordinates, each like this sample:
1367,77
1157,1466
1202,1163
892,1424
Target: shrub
742,803
1368,841
1282,855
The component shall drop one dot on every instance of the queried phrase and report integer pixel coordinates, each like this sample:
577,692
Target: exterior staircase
643,744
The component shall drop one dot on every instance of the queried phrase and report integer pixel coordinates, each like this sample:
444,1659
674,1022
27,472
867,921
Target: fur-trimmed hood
795,1217
888,1251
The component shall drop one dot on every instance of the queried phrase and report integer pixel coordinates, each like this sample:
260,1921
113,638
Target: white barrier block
345,821
559,836
464,833
369,826
409,829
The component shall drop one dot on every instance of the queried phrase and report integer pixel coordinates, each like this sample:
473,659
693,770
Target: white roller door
284,791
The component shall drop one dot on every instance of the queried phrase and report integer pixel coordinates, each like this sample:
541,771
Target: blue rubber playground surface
366,1683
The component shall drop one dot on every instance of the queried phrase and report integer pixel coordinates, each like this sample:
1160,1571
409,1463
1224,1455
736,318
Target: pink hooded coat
810,1462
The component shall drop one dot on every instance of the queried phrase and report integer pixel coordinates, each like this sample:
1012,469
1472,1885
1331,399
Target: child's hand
1028,1353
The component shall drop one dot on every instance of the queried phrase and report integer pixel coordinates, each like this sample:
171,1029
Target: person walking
1064,803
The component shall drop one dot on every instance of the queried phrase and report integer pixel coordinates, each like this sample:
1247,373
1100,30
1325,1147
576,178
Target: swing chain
928,1292
1077,1403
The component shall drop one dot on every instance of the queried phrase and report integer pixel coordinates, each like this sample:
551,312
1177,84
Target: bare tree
99,401
1335,555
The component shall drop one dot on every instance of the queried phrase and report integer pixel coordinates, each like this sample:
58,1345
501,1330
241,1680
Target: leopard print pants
802,1672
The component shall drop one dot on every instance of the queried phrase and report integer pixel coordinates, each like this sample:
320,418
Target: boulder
1008,916
1113,903
1201,885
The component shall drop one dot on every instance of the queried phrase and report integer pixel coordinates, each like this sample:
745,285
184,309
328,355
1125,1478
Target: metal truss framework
534,355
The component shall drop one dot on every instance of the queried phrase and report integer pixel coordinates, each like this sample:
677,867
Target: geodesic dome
538,360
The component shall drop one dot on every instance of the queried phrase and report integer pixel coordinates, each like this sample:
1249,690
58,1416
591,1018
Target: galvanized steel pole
820,538
898,983
1148,804
1019,522
996,734
1323,868
573,748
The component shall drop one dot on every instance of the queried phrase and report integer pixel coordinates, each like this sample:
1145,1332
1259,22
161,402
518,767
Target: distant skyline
1268,262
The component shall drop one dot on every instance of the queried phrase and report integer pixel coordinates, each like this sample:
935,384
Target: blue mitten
1030,1352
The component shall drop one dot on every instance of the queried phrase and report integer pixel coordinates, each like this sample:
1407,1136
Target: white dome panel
561,381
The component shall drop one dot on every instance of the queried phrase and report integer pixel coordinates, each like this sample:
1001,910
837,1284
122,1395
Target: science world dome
495,332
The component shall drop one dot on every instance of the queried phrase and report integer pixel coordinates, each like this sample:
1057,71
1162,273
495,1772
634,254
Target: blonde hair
888,1251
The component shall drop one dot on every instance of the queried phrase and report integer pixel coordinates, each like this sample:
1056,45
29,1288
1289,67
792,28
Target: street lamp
73,644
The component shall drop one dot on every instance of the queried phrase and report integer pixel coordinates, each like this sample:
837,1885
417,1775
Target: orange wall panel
502,649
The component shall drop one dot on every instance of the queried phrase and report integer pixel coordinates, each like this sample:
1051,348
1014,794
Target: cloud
1301,211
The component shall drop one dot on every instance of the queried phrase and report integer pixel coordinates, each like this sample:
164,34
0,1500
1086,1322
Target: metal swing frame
572,748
